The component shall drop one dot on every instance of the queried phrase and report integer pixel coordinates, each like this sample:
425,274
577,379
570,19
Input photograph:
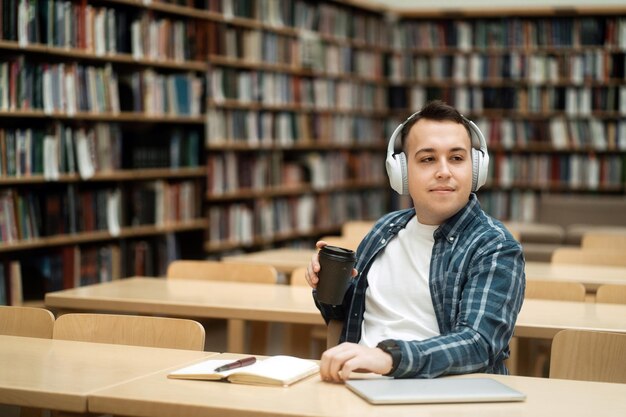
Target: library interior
167,167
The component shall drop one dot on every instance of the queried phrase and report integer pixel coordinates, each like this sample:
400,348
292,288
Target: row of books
63,150
513,32
101,148
30,277
306,51
69,267
576,171
230,172
61,23
35,213
511,66
515,205
52,87
253,46
268,219
102,30
70,88
167,39
573,101
165,148
555,133
160,202
289,128
269,88
332,20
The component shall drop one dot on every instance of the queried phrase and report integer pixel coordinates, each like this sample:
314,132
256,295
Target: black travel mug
335,273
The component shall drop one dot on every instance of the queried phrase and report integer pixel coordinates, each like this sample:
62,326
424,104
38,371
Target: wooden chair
604,257
231,271
131,330
540,349
26,322
555,290
515,233
342,241
589,356
604,240
611,293
329,335
221,271
356,229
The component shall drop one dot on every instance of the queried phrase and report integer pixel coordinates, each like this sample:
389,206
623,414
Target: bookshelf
202,127
296,121
102,110
548,90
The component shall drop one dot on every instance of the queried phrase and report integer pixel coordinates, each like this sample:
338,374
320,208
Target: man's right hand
314,267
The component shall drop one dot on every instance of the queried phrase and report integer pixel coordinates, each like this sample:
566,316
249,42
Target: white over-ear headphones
397,165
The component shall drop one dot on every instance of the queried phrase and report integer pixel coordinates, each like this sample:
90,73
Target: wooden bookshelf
310,156
545,86
290,108
101,162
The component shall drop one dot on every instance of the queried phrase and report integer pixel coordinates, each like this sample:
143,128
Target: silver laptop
441,390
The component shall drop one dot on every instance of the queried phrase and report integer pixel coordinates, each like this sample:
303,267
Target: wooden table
192,298
157,396
59,374
286,304
591,276
543,319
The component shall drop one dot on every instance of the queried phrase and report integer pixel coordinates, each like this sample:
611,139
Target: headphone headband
476,136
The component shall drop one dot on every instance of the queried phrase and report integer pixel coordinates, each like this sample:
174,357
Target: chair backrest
118,329
603,257
589,356
604,240
517,235
611,293
342,241
298,277
356,229
555,290
222,271
26,321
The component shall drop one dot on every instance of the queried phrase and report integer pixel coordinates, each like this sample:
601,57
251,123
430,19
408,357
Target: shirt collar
451,228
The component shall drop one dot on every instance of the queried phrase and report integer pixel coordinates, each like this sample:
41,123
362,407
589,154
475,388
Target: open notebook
441,390
275,370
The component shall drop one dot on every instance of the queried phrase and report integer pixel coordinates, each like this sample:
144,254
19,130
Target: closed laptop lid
441,390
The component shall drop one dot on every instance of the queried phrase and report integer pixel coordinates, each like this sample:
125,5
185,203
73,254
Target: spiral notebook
441,390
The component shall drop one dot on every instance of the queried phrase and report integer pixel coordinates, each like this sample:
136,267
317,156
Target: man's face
439,168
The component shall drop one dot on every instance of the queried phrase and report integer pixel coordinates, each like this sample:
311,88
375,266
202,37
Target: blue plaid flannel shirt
477,286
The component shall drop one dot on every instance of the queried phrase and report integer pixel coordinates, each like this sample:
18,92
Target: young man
437,287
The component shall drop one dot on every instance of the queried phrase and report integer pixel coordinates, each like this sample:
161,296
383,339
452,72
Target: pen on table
236,364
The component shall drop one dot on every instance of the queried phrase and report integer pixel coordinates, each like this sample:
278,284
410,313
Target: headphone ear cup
404,173
480,166
397,173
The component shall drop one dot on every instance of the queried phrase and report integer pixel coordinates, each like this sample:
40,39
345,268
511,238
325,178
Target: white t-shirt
397,301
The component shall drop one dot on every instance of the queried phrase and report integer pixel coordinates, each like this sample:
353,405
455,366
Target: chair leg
258,337
513,362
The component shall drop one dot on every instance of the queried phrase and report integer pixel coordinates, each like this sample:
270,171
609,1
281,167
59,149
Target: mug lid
338,253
